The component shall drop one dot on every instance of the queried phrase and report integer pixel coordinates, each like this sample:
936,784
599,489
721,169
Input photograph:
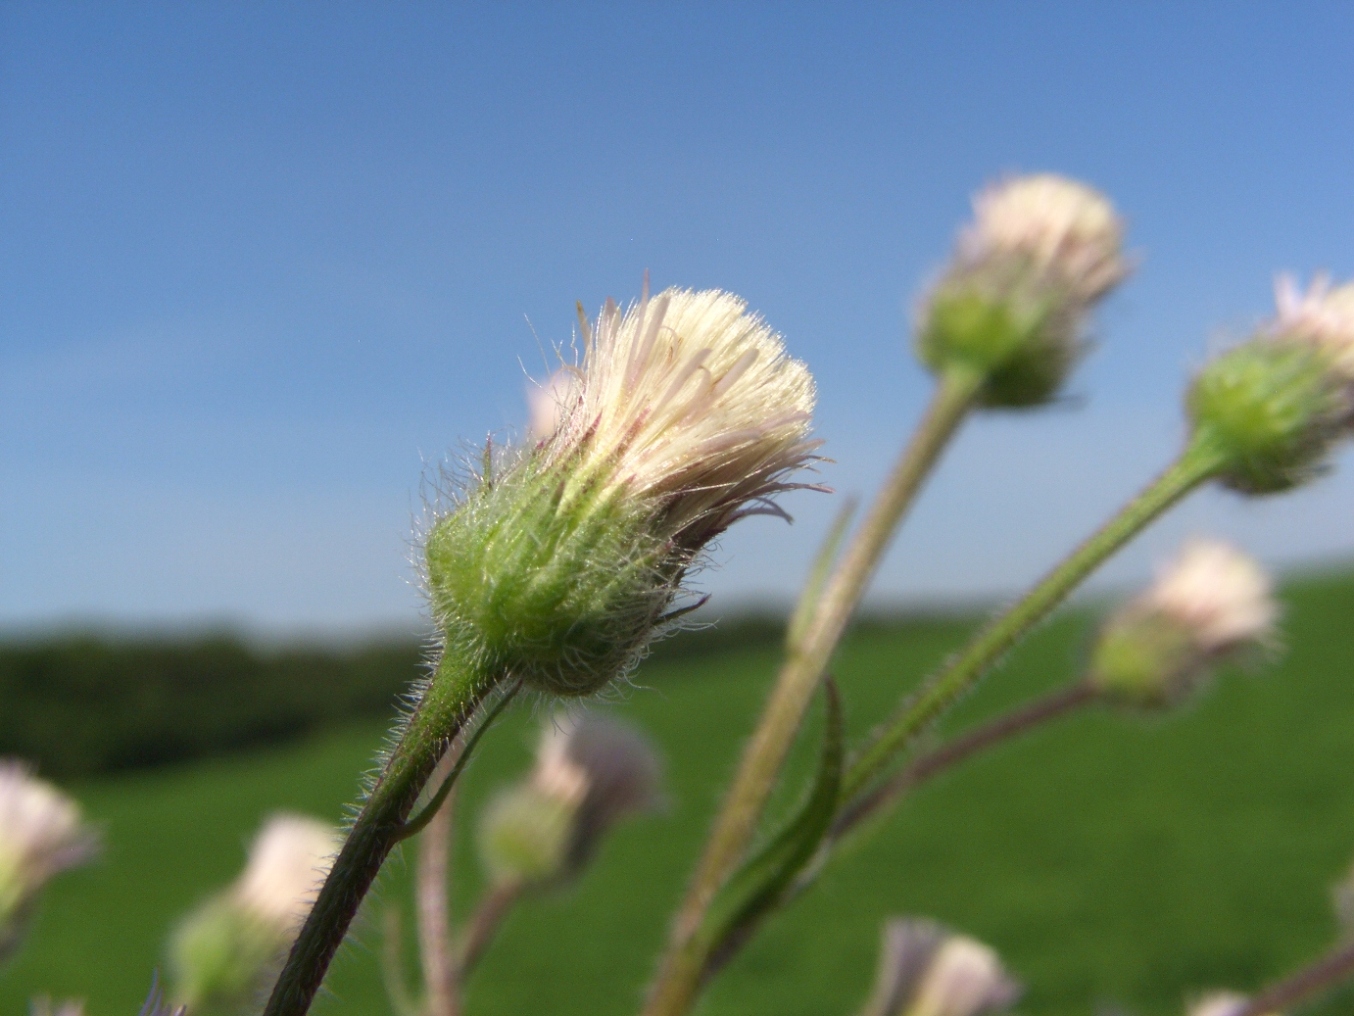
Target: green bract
550,578
221,957
1271,408
1019,343
525,835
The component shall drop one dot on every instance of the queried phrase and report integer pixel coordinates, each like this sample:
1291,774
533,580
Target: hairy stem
1332,968
1197,464
680,973
450,702
965,746
485,921
1019,721
440,995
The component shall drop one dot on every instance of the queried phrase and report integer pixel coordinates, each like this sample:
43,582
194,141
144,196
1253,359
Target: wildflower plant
42,834
566,554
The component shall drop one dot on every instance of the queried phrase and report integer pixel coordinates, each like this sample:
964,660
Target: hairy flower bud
590,772
1210,602
1012,307
927,971
41,834
559,565
1220,1003
1273,406
225,951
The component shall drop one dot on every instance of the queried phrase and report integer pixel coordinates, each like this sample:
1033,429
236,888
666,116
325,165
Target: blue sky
262,267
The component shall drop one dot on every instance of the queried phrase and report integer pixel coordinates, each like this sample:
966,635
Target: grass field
1110,860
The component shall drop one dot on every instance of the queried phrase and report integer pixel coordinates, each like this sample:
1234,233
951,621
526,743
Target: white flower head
41,834
1218,594
288,861
689,400
1323,316
1067,230
1220,1003
963,978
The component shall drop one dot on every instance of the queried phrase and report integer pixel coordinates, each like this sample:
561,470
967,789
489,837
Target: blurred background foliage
1110,860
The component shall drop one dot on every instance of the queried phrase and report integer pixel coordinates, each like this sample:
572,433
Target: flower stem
440,994
1198,463
484,923
1020,720
1332,968
806,661
453,696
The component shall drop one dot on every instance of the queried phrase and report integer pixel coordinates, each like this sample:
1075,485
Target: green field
1110,860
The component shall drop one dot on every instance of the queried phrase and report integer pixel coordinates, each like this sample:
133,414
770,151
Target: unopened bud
1220,1003
590,772
41,834
560,566
1012,307
1210,602
926,971
1273,406
225,951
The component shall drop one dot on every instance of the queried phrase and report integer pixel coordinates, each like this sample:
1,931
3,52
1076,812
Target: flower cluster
1210,602
685,415
926,971
41,834
1012,307
1272,407
590,772
224,952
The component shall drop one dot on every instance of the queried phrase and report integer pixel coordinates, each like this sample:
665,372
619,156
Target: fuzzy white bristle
41,831
1218,1003
687,399
963,978
288,861
1323,315
1068,230
1221,596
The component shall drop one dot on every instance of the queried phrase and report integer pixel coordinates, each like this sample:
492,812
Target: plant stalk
1332,968
484,923
440,994
452,698
806,661
1020,720
1198,463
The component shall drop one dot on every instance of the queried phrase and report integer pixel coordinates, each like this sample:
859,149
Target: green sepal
758,885
1018,342
550,575
1271,409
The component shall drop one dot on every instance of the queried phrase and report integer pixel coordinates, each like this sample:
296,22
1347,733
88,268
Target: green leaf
758,885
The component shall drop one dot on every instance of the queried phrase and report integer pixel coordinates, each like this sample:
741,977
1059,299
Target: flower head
690,401
1066,230
41,834
560,564
1040,253
1272,407
1322,316
288,861
1220,1003
590,772
926,971
225,951
1210,602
